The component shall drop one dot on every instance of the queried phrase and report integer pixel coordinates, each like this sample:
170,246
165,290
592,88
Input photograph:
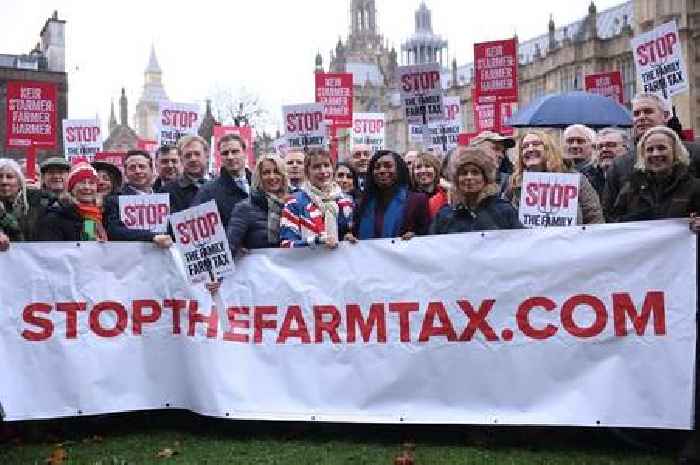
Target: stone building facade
46,62
555,61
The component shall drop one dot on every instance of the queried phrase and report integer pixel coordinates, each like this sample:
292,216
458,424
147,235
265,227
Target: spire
123,110
112,117
153,66
319,62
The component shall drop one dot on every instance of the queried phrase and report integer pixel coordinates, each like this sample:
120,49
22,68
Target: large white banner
586,326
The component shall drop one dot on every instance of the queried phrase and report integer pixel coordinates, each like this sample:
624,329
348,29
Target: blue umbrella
562,110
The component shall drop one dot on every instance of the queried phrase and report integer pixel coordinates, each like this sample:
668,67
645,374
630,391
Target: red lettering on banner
234,323
179,118
71,310
321,325
198,229
96,325
294,315
477,320
304,122
523,318
404,310
46,325
550,195
420,82
567,316
145,215
139,317
176,306
375,319
260,323
429,329
657,49
654,303
194,317
82,134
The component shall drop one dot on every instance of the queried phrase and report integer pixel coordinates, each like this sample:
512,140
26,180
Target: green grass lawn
138,438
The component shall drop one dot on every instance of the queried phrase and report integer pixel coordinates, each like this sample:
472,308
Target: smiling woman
660,186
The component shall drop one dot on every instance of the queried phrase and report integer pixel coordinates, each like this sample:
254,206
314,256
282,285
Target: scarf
274,210
92,222
328,205
9,223
393,216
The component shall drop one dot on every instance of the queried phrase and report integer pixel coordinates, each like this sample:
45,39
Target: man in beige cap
54,172
496,145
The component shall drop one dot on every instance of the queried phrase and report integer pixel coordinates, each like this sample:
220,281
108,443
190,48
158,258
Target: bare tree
242,107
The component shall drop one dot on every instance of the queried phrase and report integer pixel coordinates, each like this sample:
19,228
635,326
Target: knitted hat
80,172
479,158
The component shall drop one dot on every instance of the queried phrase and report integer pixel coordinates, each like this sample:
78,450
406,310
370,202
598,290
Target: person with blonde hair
14,204
474,201
425,178
255,222
538,152
661,185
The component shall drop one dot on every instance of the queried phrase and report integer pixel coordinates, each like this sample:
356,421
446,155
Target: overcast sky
266,46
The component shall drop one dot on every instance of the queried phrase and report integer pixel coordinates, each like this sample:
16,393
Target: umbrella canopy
562,110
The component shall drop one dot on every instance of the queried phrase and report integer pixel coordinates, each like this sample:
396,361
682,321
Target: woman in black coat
255,222
475,204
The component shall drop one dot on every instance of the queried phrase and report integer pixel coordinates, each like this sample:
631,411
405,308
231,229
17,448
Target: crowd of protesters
306,199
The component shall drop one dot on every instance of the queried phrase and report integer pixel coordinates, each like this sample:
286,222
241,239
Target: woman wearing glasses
538,153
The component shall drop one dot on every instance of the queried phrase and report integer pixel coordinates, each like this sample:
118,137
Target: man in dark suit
194,155
138,170
233,183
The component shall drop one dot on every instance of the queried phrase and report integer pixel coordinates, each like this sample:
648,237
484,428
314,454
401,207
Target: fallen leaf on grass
166,453
58,457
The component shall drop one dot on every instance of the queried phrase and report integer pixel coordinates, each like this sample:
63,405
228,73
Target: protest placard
495,92
549,199
368,129
81,138
334,91
606,84
201,240
305,126
176,120
658,57
149,212
31,114
421,93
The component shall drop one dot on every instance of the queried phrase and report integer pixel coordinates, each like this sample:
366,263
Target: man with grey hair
609,144
578,145
648,110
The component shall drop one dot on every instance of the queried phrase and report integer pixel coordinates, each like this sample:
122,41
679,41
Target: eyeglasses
606,145
534,143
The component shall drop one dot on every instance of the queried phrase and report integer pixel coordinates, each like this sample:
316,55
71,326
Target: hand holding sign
202,242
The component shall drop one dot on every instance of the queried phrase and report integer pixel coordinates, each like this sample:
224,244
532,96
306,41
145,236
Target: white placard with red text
149,212
176,120
549,199
658,57
421,93
576,326
82,138
201,240
305,126
368,129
